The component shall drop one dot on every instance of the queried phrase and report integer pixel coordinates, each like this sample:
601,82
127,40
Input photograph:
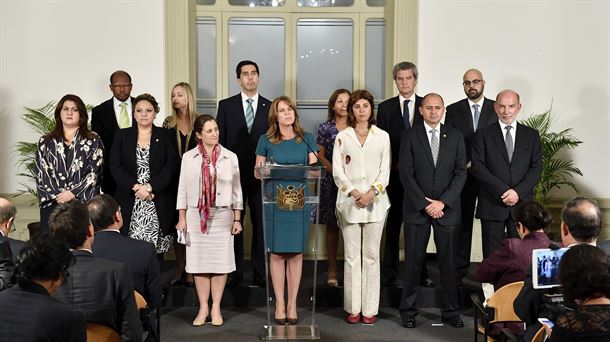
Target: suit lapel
154,144
467,116
519,142
131,143
422,136
488,114
498,137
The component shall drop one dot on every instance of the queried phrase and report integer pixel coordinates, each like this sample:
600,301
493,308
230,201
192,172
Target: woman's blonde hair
190,106
273,133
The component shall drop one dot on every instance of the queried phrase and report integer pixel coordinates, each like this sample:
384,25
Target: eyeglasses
473,82
121,86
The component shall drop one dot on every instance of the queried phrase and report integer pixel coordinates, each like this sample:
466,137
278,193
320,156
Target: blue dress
286,228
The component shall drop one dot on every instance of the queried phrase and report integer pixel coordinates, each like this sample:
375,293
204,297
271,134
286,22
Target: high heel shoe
292,321
280,321
217,322
332,280
199,321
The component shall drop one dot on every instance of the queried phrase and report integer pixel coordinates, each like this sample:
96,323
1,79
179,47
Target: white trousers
362,266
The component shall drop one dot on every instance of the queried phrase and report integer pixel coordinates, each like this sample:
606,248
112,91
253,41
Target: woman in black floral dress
68,160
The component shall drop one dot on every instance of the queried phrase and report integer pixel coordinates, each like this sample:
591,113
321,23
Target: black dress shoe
409,322
426,282
454,321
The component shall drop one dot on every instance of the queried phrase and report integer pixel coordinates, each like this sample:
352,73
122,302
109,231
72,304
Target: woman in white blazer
209,207
361,169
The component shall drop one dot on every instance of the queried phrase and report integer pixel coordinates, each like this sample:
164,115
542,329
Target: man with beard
469,115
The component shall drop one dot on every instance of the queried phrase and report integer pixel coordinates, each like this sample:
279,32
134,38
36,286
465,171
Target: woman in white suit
361,169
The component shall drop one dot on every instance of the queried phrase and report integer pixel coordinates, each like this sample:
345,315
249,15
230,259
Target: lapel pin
157,140
444,135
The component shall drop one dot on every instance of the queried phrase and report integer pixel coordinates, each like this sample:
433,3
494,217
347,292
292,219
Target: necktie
405,113
249,115
509,142
477,115
434,145
123,116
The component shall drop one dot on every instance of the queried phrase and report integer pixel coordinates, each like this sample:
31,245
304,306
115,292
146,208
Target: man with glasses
7,225
111,115
468,116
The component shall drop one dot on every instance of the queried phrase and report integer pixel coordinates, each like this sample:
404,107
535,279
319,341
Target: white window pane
311,116
206,107
324,57
206,2
260,40
375,3
325,3
206,57
257,3
374,74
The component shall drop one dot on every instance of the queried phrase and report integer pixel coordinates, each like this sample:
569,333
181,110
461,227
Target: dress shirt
438,133
513,132
480,104
117,110
411,105
254,98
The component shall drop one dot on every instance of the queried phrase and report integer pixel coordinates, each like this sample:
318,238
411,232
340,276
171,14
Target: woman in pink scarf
209,207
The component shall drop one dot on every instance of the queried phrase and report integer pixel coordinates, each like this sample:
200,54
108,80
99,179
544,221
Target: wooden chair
140,301
499,309
101,333
540,335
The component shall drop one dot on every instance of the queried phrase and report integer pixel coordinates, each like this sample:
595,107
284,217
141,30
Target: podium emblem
291,197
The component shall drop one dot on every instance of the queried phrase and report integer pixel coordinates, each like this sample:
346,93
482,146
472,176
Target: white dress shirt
411,106
480,104
117,110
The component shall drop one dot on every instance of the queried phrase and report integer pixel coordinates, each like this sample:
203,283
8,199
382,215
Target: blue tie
249,114
405,113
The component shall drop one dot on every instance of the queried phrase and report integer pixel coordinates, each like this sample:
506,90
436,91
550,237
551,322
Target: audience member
584,275
327,133
110,116
29,313
507,163
139,256
69,159
8,212
395,115
102,290
361,169
432,170
144,163
286,229
468,116
209,214
242,120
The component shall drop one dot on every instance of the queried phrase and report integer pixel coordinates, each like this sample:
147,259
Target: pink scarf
208,184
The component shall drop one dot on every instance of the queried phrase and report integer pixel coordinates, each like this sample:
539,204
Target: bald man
507,162
468,116
7,224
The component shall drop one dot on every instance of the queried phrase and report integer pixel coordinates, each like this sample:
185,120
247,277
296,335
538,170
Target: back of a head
583,218
70,221
102,209
584,272
7,210
43,258
533,216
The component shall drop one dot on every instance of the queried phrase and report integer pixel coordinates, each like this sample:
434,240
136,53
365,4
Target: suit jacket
163,163
30,314
459,115
509,263
103,122
102,290
390,119
490,166
6,264
139,256
234,133
421,179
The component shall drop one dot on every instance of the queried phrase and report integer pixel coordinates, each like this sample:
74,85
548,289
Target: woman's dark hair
584,272
200,122
83,129
146,97
533,216
358,95
332,100
42,258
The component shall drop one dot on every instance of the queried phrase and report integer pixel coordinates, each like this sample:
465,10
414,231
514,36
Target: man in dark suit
242,119
110,116
7,225
102,290
29,313
507,163
432,168
395,115
469,115
581,222
139,256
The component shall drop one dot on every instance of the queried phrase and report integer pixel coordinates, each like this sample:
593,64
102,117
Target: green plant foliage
556,171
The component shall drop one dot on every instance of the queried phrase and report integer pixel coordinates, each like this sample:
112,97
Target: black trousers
416,241
468,199
45,213
252,197
493,234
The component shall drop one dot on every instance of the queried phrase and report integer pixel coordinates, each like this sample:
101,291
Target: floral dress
327,132
144,220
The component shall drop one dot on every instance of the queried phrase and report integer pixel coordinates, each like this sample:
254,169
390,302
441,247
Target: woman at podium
286,221
361,169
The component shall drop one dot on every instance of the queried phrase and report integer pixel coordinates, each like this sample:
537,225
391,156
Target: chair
140,301
147,313
540,335
499,309
101,333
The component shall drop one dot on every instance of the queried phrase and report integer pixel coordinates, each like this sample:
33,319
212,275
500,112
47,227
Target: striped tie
477,115
249,114
434,146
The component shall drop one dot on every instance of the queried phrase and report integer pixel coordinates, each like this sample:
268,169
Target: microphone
309,149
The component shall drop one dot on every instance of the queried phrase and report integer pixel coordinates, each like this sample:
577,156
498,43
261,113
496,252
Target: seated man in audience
102,290
139,256
7,225
581,222
29,313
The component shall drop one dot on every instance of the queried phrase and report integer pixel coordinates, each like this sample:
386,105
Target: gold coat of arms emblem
291,197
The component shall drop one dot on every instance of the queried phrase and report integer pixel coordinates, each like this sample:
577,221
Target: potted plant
556,171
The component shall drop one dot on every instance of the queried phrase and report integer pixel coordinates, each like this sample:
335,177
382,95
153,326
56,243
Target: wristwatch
375,190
